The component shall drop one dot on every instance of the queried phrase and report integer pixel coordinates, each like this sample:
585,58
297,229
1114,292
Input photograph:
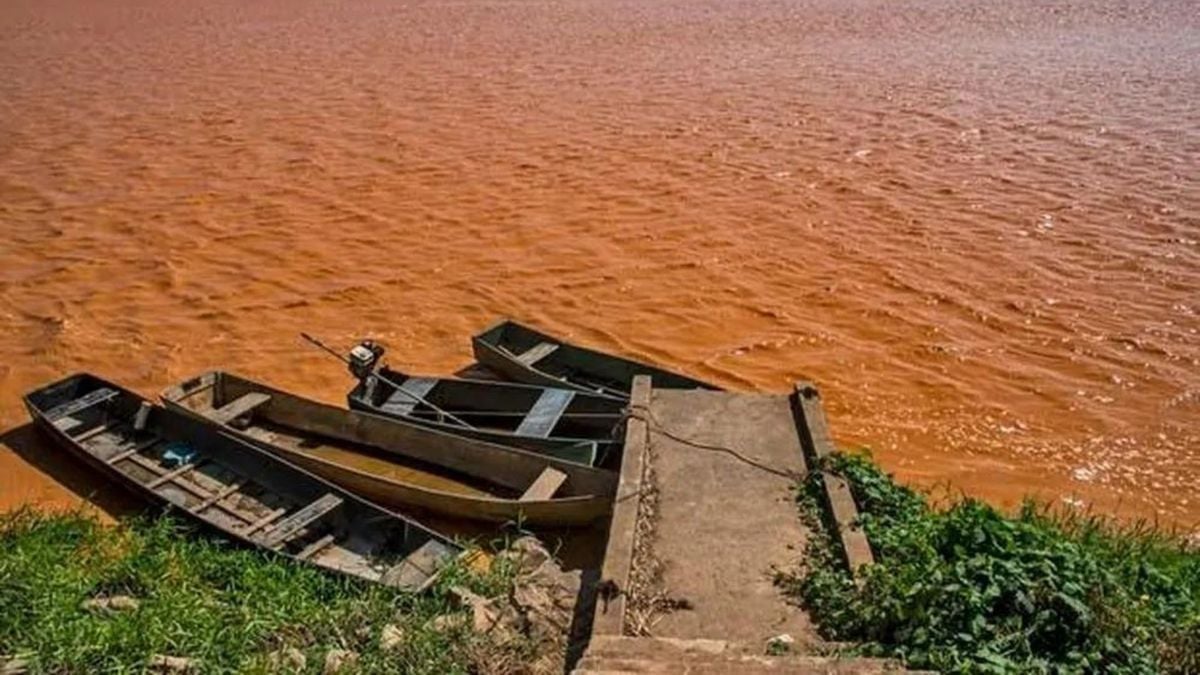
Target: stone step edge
603,644
745,664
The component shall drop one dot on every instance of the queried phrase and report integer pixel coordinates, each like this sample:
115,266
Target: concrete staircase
709,528
609,655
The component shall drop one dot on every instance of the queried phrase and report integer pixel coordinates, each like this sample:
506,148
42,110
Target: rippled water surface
974,224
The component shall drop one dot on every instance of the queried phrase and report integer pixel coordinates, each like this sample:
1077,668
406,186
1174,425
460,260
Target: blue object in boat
177,454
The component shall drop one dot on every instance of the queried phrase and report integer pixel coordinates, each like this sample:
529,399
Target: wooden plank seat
291,526
92,398
238,407
90,433
219,495
545,413
405,398
257,525
174,473
548,482
134,449
146,463
315,547
538,352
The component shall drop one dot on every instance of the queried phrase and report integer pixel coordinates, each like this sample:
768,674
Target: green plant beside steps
968,589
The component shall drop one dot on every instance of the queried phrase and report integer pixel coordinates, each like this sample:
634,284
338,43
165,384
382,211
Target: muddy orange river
973,224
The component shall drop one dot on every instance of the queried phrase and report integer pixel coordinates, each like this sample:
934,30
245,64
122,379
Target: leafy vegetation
203,599
968,589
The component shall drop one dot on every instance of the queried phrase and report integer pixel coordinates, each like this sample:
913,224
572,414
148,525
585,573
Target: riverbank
962,588
966,588
77,595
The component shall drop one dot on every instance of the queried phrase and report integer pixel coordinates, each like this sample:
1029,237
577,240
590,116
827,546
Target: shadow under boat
70,473
216,480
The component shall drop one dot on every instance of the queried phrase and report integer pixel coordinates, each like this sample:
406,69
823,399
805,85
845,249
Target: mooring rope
655,426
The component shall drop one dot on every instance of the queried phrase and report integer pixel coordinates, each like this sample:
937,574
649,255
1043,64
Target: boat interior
522,410
225,399
604,373
236,488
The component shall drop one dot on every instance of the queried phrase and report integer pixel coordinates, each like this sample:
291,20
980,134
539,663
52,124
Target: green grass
204,599
967,589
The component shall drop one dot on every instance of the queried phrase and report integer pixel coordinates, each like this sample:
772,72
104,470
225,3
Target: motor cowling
364,358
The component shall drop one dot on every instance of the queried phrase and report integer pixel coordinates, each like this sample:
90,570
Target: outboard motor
365,356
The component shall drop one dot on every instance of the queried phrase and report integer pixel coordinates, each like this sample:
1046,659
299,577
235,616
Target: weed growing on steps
203,599
968,589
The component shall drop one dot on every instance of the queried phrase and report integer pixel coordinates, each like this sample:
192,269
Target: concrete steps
718,526
609,655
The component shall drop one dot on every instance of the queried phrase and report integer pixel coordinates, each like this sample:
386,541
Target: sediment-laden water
974,224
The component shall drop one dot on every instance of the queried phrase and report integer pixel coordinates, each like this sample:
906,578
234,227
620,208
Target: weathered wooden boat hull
227,485
523,354
342,446
579,427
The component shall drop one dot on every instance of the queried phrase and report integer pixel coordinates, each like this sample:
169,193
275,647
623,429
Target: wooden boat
246,494
523,354
400,465
576,426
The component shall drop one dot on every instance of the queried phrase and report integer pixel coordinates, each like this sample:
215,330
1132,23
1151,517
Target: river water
974,223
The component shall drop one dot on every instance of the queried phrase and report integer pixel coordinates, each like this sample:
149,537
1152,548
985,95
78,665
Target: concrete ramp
724,466
704,516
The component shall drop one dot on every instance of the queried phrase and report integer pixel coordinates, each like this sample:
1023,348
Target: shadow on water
69,472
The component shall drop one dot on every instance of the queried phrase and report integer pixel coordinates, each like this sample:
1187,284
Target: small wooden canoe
580,427
523,354
246,494
400,465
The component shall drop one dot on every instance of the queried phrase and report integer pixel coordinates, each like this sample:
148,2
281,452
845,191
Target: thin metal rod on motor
341,357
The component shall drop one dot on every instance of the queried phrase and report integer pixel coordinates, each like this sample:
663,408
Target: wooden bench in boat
218,496
133,449
173,474
538,352
259,524
236,408
289,527
315,547
405,398
545,485
90,433
88,400
545,413
139,424
63,416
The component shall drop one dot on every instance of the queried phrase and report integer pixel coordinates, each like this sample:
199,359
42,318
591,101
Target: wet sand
975,225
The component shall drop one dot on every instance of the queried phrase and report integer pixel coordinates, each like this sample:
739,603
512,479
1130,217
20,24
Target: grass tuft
967,589
204,599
